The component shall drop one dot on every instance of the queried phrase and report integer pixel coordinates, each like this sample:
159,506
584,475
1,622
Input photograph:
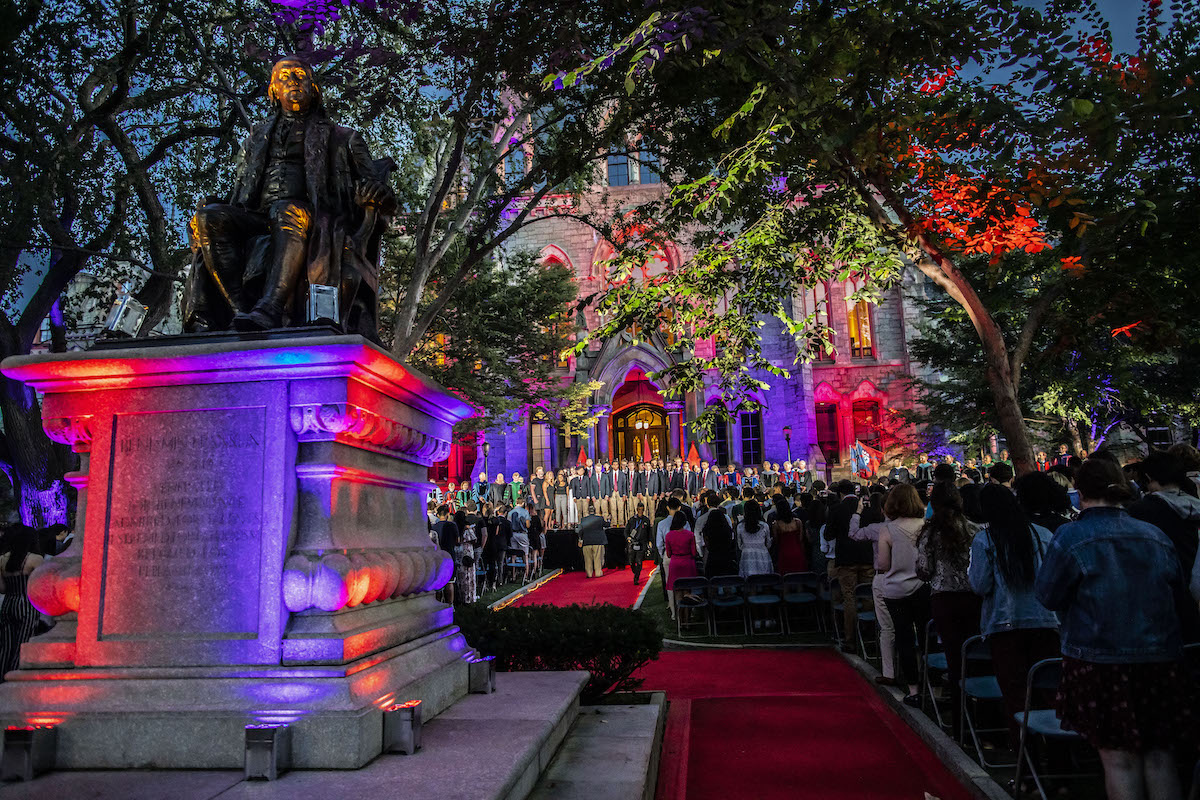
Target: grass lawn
655,604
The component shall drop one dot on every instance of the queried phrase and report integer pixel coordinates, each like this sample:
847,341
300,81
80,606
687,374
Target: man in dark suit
710,477
581,489
678,479
656,483
641,483
604,492
695,484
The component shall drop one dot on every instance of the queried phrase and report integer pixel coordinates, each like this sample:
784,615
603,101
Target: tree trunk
36,464
1009,419
1072,427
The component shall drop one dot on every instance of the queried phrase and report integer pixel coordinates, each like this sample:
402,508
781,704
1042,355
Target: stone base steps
484,747
611,753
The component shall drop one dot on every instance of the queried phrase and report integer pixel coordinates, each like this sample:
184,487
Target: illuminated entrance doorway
640,429
639,424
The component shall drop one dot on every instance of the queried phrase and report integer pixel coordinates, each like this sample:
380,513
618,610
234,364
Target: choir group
614,488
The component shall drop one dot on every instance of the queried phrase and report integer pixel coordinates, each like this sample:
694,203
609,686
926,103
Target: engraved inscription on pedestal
183,530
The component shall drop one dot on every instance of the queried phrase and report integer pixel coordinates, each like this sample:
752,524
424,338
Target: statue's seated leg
290,223
222,232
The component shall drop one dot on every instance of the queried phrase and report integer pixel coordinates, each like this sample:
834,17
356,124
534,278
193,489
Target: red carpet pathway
767,724
614,587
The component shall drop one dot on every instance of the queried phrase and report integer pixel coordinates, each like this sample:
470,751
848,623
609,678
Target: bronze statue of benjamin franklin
306,212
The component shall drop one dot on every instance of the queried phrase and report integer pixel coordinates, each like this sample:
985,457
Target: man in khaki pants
592,538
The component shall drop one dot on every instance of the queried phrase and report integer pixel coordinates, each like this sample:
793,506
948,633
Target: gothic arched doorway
637,428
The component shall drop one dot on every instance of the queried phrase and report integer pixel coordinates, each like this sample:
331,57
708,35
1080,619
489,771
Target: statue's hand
374,194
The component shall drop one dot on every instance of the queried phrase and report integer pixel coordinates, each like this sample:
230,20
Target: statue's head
292,88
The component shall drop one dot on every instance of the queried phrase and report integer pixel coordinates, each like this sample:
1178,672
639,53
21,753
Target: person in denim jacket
1005,556
1123,687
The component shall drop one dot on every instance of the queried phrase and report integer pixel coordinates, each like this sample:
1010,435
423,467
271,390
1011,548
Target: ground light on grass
655,604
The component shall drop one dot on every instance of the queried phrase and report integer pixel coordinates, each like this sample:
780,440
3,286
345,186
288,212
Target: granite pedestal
251,547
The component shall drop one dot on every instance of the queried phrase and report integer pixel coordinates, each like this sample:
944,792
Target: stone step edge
650,784
508,599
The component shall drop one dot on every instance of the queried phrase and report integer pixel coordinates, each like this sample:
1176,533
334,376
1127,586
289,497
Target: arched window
514,167
541,439
866,422
859,324
648,167
816,302
827,432
752,449
637,427
618,169
720,442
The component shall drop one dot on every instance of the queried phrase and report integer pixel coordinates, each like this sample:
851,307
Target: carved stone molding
335,580
326,421
54,586
73,431
673,406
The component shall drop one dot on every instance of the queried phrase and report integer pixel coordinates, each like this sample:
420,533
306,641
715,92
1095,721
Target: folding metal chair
864,597
725,592
1043,677
693,605
932,662
765,592
824,597
514,564
836,608
979,689
801,591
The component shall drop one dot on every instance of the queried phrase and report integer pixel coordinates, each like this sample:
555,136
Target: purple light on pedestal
253,528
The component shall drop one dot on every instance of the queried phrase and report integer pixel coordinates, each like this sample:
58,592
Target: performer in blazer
604,492
656,483
678,479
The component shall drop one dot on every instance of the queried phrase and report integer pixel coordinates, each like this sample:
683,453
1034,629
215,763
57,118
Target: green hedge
611,643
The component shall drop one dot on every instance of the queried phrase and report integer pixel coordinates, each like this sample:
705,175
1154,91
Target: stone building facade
816,414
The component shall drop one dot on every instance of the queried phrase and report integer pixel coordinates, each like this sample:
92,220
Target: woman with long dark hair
1125,687
943,555
1005,557
18,618
720,552
1044,500
790,537
754,539
562,500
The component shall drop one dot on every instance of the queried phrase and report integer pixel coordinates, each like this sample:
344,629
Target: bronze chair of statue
352,268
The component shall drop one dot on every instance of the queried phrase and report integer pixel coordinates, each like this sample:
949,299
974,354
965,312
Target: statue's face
291,84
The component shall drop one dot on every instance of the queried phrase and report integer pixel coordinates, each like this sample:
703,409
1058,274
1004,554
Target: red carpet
614,587
768,724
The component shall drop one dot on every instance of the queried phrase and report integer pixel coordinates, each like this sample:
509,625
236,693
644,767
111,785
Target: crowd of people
1087,559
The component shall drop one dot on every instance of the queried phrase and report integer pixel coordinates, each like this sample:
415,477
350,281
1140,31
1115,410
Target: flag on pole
582,460
646,456
693,456
865,460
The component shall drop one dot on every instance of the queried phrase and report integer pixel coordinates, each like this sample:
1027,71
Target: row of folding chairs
979,693
513,567
761,604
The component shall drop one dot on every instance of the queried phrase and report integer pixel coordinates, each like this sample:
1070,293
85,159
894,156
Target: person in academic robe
482,491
